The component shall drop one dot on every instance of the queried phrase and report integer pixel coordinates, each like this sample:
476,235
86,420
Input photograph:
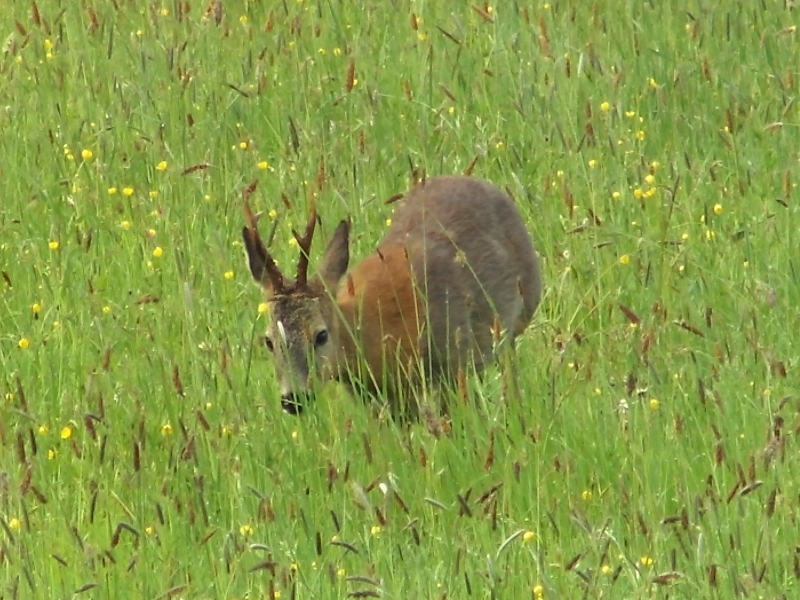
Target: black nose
291,404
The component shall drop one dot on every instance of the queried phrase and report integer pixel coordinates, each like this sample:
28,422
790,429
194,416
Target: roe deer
456,264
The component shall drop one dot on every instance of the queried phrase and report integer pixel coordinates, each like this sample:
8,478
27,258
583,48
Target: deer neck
345,323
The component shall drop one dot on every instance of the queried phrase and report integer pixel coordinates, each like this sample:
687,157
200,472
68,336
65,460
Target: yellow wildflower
528,536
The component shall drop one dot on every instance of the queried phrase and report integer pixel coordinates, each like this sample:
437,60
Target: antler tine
305,245
273,272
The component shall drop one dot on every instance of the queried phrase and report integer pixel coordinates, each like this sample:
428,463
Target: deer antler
272,270
305,245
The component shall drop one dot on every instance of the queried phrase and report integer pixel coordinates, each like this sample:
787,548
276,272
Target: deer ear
256,254
336,258
259,259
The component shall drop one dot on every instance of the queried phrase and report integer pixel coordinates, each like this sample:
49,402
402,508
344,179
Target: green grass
143,452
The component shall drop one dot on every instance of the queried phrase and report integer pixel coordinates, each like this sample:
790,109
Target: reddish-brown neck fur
380,292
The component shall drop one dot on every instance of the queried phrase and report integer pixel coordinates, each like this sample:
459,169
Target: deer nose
291,404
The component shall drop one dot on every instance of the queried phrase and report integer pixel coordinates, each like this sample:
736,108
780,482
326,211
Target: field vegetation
653,150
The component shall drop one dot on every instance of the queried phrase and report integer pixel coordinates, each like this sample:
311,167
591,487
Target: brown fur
456,262
383,312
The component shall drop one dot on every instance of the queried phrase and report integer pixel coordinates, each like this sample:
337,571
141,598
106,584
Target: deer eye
268,343
321,338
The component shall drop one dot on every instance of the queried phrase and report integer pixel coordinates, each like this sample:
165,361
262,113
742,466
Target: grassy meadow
653,150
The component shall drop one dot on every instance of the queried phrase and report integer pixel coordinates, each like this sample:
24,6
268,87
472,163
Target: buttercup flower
528,536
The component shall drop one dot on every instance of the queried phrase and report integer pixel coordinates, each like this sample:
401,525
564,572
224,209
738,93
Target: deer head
303,332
